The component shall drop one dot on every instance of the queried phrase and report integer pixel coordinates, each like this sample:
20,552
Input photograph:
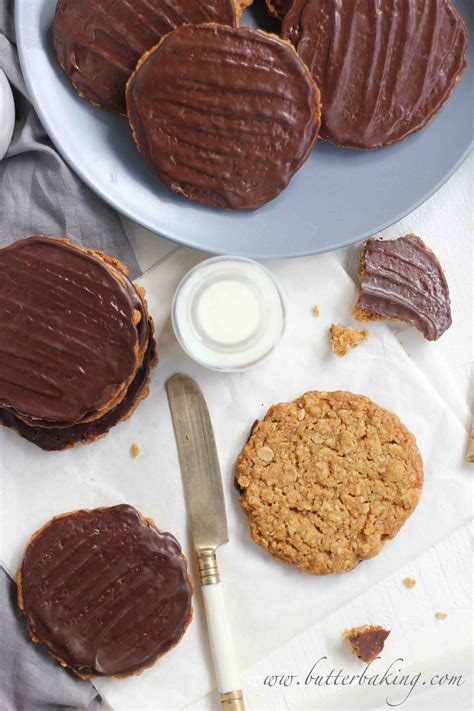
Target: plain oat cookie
327,478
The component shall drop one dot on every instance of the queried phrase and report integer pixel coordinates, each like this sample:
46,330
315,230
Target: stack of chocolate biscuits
76,342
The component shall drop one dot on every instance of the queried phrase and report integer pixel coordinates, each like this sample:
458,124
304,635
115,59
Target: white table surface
445,222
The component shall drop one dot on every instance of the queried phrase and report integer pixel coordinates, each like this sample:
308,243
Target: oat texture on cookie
326,479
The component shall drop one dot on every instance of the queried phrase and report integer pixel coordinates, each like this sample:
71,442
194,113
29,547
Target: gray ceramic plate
338,197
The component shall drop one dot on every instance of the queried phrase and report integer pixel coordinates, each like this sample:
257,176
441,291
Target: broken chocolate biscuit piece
402,279
367,641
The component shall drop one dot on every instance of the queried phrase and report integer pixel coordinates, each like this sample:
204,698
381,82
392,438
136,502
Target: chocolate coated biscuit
226,116
99,42
105,591
384,67
69,336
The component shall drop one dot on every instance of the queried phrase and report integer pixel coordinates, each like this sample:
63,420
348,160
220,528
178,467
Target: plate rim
182,241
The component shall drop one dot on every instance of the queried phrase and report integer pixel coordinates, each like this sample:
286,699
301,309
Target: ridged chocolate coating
99,42
384,67
68,341
226,116
59,438
403,279
105,591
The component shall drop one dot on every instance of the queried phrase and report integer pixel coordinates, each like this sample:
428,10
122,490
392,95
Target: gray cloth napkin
30,680
39,194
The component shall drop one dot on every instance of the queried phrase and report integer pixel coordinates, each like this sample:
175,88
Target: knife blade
199,462
204,496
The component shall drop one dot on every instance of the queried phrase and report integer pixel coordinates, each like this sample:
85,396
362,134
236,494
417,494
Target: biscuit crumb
410,582
315,311
134,450
265,453
344,338
441,615
367,641
301,414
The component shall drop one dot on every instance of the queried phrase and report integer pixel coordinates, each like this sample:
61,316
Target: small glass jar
228,313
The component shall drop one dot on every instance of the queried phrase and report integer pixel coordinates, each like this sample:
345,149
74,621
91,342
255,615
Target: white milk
228,313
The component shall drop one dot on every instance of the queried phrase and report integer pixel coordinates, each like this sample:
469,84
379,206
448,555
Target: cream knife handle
228,682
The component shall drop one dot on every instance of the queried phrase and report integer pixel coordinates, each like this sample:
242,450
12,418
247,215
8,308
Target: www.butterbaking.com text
393,676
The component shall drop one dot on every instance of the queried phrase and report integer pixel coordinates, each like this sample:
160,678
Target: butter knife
206,508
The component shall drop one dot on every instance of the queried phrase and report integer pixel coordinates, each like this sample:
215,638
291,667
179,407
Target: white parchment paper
268,602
